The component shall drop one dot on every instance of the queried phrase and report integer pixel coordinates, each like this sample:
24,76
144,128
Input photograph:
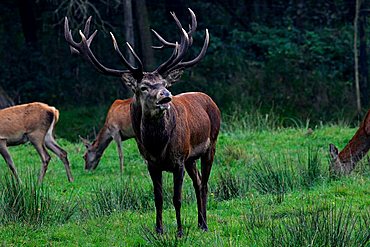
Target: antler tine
183,48
137,72
116,48
193,26
87,53
163,41
180,53
140,65
187,64
192,29
83,48
162,68
68,37
87,26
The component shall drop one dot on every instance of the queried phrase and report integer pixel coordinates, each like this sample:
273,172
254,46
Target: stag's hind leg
37,140
61,153
206,164
193,172
8,159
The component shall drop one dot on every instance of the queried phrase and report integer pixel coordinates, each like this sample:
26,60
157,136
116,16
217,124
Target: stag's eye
143,88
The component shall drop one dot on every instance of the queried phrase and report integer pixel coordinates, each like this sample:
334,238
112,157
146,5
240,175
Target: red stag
117,127
34,122
345,161
172,132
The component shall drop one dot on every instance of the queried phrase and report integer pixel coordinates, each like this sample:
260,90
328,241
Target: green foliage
297,72
29,203
117,198
267,185
168,239
334,226
82,121
294,58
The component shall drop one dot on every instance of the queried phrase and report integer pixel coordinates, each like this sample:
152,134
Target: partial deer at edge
172,132
117,127
33,122
344,162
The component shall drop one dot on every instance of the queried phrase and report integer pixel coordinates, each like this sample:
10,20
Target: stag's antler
174,62
186,42
83,48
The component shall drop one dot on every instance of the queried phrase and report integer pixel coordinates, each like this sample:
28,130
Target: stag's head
337,166
90,156
150,88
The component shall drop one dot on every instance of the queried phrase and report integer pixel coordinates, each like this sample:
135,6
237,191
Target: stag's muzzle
164,98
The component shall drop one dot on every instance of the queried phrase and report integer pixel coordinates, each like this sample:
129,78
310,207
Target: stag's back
119,117
17,120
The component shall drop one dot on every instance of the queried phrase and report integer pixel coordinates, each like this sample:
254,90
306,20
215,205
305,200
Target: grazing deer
34,122
172,132
117,127
345,161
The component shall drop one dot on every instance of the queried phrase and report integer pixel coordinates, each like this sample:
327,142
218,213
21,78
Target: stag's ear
173,76
129,81
85,142
333,150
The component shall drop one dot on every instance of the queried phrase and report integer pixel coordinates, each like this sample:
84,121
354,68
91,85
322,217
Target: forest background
293,58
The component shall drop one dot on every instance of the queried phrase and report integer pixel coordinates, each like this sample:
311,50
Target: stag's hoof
203,227
180,233
159,230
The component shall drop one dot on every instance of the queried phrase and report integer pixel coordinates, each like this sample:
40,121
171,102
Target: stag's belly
15,140
198,150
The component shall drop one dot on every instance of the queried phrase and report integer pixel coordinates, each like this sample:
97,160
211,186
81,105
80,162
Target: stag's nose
165,94
163,98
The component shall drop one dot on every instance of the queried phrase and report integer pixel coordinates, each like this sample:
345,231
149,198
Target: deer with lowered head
343,162
117,127
33,122
172,132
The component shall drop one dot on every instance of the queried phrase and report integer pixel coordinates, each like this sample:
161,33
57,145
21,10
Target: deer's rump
17,121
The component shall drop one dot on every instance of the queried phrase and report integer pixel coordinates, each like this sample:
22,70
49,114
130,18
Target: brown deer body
117,127
345,161
171,132
32,122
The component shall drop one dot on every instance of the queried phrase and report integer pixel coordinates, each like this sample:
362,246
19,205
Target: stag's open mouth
164,103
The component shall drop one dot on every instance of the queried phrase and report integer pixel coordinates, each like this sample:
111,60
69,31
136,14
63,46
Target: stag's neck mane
102,141
152,132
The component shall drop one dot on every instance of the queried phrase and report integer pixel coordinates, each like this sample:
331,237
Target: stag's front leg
156,176
5,153
178,178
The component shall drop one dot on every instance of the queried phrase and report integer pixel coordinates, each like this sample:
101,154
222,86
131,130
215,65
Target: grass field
267,188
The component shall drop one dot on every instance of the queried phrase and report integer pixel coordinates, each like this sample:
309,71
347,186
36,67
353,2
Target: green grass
267,186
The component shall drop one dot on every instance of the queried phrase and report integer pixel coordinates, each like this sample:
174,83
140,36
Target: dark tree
5,100
363,66
26,8
144,31
128,27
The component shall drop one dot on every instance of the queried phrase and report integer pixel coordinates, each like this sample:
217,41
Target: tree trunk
28,20
355,53
128,28
145,35
5,100
363,69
